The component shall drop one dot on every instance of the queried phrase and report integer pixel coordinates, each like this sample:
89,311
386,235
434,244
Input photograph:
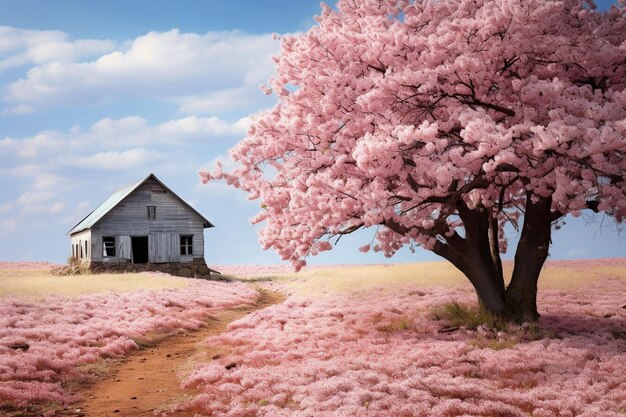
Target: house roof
92,218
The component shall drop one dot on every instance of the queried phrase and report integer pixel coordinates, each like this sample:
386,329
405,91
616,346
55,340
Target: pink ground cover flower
62,333
28,265
381,354
584,263
248,271
251,271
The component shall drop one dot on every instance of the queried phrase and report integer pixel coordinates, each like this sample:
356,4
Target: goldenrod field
39,282
355,278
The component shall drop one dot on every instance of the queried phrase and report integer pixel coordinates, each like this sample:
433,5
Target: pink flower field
383,353
27,265
384,350
44,342
253,271
248,271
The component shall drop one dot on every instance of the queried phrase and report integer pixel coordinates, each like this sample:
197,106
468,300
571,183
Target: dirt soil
150,379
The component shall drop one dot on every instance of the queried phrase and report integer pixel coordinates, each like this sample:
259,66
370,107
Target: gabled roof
117,197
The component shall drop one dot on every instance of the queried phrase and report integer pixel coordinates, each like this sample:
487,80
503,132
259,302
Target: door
140,249
124,247
163,247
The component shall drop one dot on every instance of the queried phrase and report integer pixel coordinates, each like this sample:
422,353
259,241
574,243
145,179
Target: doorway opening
140,249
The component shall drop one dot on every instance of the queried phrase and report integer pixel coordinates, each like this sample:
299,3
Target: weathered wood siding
130,218
164,247
80,239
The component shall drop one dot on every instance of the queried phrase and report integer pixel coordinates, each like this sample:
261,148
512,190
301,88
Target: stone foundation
196,269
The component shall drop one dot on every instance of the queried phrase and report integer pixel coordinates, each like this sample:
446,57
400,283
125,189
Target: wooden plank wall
163,247
79,239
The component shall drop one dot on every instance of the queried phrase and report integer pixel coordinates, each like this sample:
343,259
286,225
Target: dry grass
470,317
575,276
353,279
40,282
314,281
561,277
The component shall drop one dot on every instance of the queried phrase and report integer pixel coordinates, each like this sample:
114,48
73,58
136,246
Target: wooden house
144,226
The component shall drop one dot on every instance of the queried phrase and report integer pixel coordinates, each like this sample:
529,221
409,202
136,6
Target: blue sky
96,95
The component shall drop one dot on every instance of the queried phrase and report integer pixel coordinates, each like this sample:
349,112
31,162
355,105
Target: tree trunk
480,263
490,294
477,256
531,253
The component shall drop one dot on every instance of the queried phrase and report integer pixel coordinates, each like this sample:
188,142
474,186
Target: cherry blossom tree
439,123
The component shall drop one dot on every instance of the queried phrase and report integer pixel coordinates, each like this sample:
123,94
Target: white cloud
213,72
20,47
5,207
30,198
218,101
52,208
23,170
43,192
32,147
577,252
49,181
114,160
108,126
53,169
124,133
194,126
8,226
58,176
75,213
83,205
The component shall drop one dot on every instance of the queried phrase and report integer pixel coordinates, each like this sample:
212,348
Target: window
186,245
80,247
108,246
86,249
152,212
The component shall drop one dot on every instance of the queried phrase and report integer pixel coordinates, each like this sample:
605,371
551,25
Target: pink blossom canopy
387,109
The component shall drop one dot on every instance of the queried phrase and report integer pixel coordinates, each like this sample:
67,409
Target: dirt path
150,379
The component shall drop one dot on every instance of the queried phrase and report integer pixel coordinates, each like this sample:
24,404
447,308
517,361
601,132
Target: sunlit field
396,341
34,280
37,280
574,274
376,340
354,279
319,280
